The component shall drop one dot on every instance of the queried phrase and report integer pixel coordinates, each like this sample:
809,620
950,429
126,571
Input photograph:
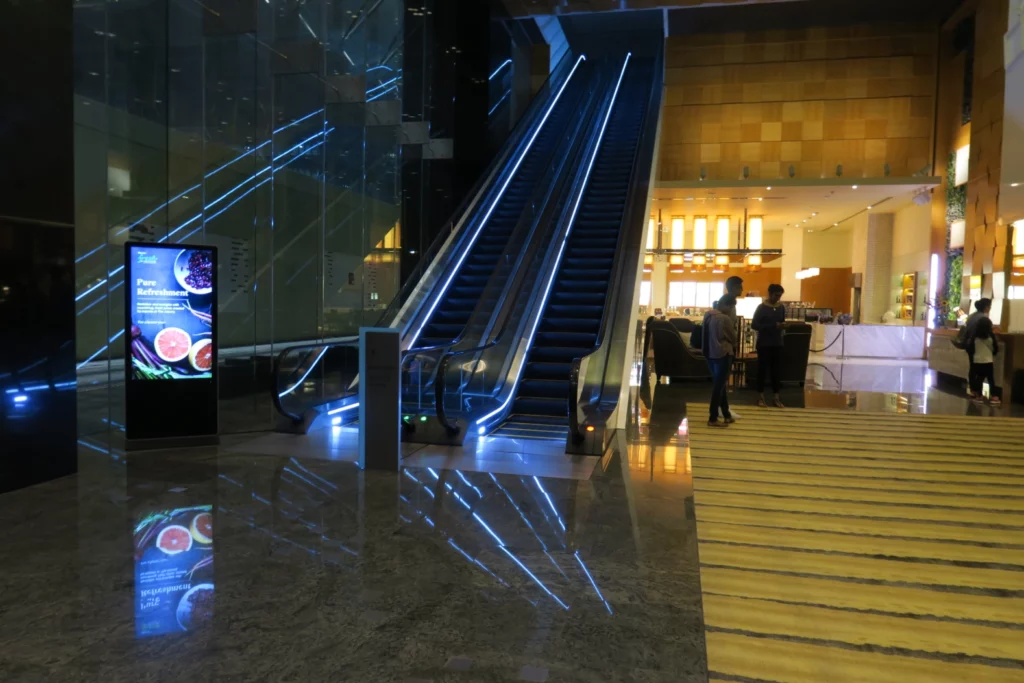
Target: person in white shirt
983,349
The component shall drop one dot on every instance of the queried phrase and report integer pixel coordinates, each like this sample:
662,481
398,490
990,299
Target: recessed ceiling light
1011,185
760,199
855,187
869,208
814,214
810,230
834,225
769,189
805,220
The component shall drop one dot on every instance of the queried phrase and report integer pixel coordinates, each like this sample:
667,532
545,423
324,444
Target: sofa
669,355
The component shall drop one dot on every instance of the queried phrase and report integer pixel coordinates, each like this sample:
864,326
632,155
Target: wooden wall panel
985,242
830,289
860,96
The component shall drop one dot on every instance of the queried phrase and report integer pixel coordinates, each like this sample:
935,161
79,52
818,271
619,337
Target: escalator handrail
523,233
463,212
277,394
614,282
589,149
582,136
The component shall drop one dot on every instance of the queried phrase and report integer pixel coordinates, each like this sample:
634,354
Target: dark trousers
970,370
720,369
982,372
769,358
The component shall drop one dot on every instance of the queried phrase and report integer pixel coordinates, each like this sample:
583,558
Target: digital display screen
173,571
172,305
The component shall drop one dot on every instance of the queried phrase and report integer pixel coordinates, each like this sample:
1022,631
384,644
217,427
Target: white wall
831,249
911,239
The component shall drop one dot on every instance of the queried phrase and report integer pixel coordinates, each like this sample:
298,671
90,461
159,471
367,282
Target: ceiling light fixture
855,187
769,189
870,207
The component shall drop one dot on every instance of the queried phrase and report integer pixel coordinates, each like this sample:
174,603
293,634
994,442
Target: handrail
277,395
522,235
463,211
547,269
514,284
614,282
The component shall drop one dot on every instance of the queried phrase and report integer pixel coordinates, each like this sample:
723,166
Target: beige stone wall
859,96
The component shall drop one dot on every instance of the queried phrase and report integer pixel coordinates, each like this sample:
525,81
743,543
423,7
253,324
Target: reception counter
950,361
874,341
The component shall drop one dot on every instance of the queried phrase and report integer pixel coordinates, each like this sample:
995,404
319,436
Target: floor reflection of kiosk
173,570
170,345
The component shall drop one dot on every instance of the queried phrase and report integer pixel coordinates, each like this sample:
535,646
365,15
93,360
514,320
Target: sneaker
729,420
716,423
978,399
995,401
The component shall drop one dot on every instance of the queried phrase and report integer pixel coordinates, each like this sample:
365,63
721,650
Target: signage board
170,340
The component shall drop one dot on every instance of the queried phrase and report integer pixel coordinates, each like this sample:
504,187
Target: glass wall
269,129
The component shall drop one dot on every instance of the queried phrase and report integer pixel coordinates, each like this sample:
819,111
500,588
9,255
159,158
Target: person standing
983,349
721,336
769,322
982,308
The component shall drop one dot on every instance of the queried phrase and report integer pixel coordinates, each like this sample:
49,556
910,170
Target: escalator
469,276
462,276
569,326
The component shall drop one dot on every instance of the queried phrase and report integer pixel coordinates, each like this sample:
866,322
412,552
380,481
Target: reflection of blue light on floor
592,582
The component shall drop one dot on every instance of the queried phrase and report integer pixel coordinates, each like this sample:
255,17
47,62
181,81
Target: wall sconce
722,233
700,233
721,263
753,263
700,263
755,233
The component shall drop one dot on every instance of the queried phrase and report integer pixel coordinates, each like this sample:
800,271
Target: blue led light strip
501,192
561,249
498,70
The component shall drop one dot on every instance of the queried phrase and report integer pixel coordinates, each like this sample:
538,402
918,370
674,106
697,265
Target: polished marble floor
876,522
322,572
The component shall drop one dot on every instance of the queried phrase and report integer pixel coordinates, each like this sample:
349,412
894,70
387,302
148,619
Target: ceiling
817,207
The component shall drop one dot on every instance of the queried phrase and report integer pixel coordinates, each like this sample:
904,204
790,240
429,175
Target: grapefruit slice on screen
172,344
174,539
202,527
201,355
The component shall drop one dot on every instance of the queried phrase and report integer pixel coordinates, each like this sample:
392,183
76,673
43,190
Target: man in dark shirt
982,308
769,322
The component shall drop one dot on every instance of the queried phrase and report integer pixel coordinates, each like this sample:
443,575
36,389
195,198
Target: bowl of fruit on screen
193,269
